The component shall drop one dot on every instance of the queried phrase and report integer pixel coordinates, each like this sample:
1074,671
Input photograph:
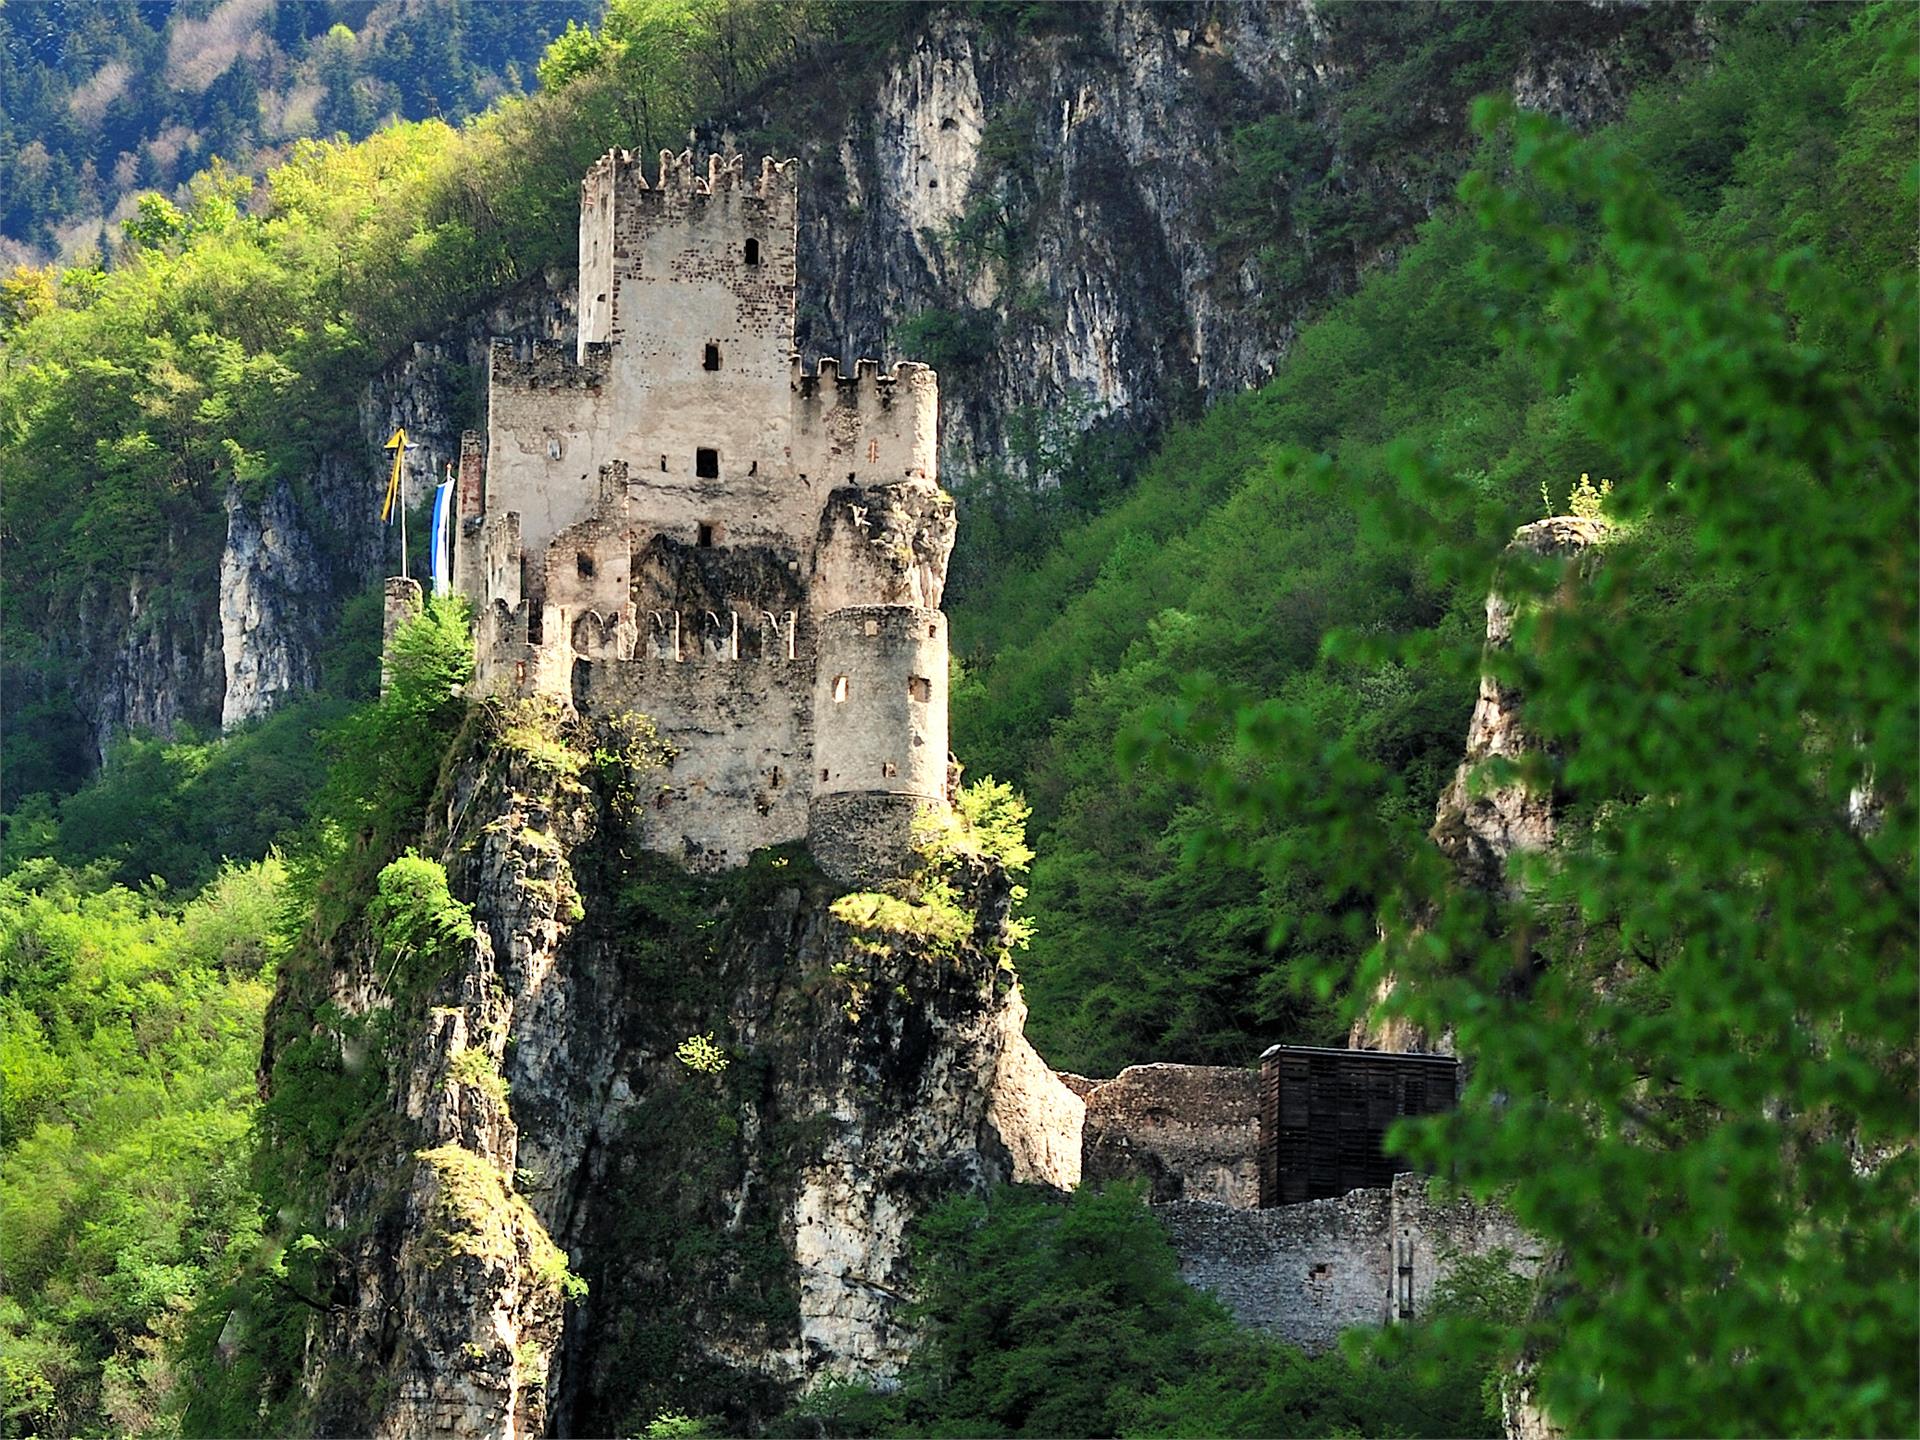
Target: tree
1692,1033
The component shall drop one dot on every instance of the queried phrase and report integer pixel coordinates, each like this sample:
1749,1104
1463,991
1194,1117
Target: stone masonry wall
1191,1131
1304,1273
738,779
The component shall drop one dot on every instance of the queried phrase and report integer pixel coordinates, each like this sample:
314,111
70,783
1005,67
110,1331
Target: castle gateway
676,519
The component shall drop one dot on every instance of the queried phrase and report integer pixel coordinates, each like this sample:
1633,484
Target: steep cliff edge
630,1140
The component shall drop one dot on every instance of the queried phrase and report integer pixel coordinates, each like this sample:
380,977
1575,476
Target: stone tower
675,518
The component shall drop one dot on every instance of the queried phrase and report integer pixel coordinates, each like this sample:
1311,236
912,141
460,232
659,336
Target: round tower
879,736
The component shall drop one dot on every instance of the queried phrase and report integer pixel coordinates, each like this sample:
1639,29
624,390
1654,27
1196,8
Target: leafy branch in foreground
1693,1029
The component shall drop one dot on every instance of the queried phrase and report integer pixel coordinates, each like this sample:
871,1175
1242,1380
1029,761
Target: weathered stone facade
1191,1132
676,519
1306,1272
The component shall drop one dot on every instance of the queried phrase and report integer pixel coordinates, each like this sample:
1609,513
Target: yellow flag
398,444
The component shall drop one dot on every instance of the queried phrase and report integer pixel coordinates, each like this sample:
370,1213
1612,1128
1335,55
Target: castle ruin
675,518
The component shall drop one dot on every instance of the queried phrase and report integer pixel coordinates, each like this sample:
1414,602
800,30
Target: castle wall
742,733
707,261
868,428
880,702
546,436
595,308
1306,1272
646,540
1192,1132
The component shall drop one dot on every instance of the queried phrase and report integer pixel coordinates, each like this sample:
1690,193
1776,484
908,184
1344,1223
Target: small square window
888,770
872,627
920,688
706,463
583,562
839,689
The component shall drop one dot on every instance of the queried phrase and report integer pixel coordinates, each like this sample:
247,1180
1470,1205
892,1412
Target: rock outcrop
1478,825
718,1101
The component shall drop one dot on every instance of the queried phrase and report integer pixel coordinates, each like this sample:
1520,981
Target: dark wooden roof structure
1325,1113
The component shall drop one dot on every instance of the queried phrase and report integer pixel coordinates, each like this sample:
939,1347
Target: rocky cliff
634,1140
1088,217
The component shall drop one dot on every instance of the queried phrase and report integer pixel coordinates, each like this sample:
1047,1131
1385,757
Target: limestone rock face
721,1100
1095,152
1481,832
267,570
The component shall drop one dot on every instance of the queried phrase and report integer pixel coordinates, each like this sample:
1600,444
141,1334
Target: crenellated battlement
680,517
869,427
622,169
533,364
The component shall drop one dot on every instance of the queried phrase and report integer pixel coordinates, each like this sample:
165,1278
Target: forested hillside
105,101
1234,556
1230,664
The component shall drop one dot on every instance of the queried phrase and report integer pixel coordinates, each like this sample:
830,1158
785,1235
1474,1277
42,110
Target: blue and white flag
440,561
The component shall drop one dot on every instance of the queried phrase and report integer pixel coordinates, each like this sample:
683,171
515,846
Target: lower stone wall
861,839
743,753
1192,1132
1304,1273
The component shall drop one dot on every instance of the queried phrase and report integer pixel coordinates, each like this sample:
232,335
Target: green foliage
418,925
177,809
951,341
1244,543
673,1425
476,1215
699,1054
473,1067
129,1031
1692,1030
385,758
1046,1316
108,97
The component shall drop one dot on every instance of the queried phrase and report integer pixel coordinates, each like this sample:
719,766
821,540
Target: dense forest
106,102
1230,667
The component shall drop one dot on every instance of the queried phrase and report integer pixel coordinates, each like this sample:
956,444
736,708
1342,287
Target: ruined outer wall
1304,1273
743,735
1191,1131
